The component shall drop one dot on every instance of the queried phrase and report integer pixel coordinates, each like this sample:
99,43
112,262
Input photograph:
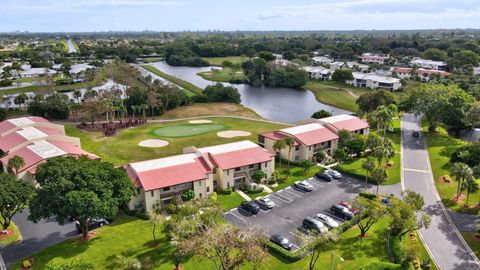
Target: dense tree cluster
55,106
221,93
259,72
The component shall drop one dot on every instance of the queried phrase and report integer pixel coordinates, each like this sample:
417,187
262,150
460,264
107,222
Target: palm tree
379,176
77,94
16,163
278,146
471,186
384,151
289,142
461,172
384,116
368,165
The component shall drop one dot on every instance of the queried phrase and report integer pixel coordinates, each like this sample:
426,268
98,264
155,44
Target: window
266,164
200,195
309,148
297,147
166,188
214,170
208,189
297,158
228,172
199,183
152,193
215,183
237,169
228,184
250,166
138,190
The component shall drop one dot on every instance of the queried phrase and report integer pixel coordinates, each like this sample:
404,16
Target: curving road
442,239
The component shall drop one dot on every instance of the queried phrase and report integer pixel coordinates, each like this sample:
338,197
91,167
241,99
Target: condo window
200,195
200,183
228,172
152,193
297,148
166,188
250,166
237,169
266,164
208,189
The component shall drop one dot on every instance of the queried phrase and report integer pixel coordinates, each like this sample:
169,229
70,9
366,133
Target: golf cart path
442,239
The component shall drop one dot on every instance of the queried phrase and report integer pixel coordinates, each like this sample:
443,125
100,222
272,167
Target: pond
277,104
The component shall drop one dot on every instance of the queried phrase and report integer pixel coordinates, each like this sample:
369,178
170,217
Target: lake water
277,104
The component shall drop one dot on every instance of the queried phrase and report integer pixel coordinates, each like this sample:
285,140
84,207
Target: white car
334,174
330,222
265,202
303,185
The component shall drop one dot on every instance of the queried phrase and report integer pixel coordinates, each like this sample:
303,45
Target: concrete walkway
442,239
266,189
245,196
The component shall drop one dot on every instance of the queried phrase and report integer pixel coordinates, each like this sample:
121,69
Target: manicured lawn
221,75
189,88
132,237
202,109
217,61
152,59
230,201
11,239
186,130
355,167
408,241
336,97
123,147
440,147
296,174
473,242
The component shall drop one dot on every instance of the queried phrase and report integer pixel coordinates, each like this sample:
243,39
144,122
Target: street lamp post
331,259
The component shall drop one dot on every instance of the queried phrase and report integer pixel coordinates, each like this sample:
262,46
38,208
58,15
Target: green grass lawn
133,238
440,147
335,97
152,59
187,130
473,242
217,61
354,167
123,147
295,174
11,239
189,88
230,201
221,75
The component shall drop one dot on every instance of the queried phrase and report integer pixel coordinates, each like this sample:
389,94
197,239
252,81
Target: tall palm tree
289,142
471,186
15,163
384,116
379,176
278,146
461,172
384,151
368,165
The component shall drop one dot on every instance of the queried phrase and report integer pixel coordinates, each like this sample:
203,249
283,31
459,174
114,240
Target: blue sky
178,15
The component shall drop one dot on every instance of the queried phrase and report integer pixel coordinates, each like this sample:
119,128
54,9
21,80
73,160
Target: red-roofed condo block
202,170
312,136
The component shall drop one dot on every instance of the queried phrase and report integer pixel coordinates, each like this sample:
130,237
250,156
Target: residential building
476,71
284,63
423,74
357,66
322,60
345,121
79,68
374,81
428,64
202,170
318,73
35,140
309,139
374,58
33,72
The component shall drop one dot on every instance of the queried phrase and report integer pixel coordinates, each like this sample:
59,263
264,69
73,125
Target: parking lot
293,205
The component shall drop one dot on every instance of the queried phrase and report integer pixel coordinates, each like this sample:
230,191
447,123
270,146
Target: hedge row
395,245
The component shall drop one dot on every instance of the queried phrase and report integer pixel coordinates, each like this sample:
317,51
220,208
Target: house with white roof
202,170
476,71
33,72
424,74
318,73
428,64
374,81
374,58
322,60
79,68
35,140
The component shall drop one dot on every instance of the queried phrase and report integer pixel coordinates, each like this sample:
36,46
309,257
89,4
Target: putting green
186,130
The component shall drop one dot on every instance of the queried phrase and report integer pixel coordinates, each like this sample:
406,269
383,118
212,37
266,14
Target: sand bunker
153,143
233,133
200,121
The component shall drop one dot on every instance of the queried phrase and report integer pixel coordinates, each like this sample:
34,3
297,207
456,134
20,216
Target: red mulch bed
90,235
442,179
9,232
459,199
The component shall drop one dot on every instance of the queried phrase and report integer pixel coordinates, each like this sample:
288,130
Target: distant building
79,68
423,74
476,71
322,60
428,64
374,58
278,56
34,72
284,63
374,81
357,66
318,73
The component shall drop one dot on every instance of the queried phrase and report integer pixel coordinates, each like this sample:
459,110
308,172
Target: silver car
265,202
330,222
334,174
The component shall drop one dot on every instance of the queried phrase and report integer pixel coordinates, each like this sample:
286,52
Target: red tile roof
344,121
15,139
240,158
316,136
8,124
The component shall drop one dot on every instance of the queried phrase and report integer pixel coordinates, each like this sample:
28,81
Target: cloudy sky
178,15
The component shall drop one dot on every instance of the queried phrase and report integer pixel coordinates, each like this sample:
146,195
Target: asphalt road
442,239
36,237
292,206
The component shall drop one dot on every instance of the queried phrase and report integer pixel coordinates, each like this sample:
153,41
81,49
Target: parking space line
295,246
334,216
284,199
299,236
316,184
231,213
289,188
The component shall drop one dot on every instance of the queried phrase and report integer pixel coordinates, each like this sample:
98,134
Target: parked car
330,222
341,211
350,207
334,173
281,241
324,176
416,134
93,223
250,207
303,185
314,224
265,202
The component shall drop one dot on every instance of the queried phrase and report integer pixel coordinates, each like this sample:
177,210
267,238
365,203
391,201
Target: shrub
255,190
243,187
213,197
291,256
395,245
187,195
227,191
143,216
26,264
368,195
